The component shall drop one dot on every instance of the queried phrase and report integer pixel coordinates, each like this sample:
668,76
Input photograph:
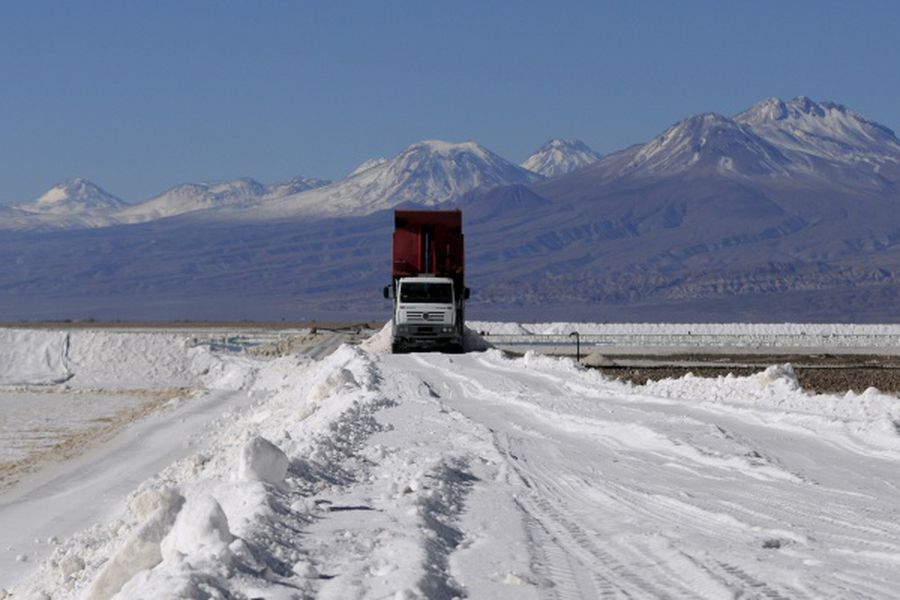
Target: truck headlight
446,329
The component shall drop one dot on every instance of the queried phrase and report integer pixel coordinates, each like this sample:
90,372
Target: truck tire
397,348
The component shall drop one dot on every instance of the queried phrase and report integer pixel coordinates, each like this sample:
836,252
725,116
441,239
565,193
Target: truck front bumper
427,336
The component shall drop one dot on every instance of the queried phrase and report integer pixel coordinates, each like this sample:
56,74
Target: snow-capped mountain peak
708,141
427,173
820,129
433,172
558,157
767,110
76,196
461,158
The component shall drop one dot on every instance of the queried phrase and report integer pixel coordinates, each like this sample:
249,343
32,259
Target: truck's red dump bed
429,241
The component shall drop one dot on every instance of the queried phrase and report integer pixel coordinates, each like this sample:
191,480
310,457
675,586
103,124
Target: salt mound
200,530
597,359
131,359
32,357
103,359
781,373
261,460
380,343
473,342
141,550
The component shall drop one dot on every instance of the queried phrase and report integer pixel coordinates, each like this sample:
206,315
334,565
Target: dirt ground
816,373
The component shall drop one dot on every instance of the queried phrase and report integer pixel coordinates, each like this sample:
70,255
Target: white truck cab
425,314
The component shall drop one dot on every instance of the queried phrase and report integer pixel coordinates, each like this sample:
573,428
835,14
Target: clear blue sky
140,96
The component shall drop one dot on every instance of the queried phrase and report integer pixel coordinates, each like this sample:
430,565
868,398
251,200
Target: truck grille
422,316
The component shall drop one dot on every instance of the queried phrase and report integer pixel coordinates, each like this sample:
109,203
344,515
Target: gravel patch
816,373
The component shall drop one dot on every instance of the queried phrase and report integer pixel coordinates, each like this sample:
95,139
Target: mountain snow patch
559,157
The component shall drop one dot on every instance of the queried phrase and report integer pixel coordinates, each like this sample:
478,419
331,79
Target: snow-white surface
435,476
105,359
140,360
32,357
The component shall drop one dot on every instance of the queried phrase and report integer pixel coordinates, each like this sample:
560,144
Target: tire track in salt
771,537
577,562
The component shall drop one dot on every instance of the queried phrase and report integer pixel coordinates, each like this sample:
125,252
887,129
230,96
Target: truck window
437,293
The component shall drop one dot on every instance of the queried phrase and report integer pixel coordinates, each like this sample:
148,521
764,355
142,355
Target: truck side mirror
466,293
386,292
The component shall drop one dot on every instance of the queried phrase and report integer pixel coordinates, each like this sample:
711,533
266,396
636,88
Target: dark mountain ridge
788,212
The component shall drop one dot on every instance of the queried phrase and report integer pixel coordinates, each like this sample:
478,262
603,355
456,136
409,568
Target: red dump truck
428,287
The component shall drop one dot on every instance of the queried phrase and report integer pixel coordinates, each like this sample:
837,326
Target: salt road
64,498
370,475
656,493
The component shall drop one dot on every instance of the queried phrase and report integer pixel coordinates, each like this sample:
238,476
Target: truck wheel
396,348
455,349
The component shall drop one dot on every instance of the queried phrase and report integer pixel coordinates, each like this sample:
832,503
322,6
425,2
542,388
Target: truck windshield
438,293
